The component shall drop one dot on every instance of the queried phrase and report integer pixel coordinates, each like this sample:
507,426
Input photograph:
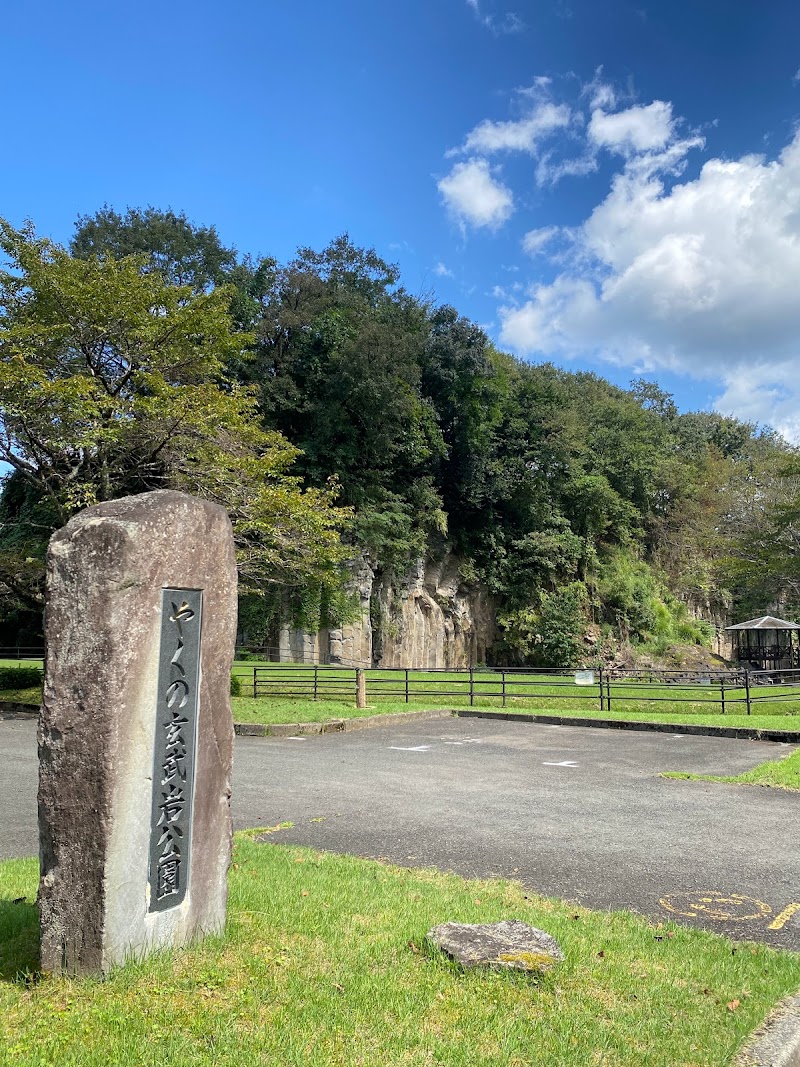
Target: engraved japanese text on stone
175,744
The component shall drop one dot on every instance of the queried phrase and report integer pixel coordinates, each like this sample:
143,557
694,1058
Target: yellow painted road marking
706,904
781,920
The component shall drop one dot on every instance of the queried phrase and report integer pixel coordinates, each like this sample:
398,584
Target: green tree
550,635
337,366
183,253
111,383
758,531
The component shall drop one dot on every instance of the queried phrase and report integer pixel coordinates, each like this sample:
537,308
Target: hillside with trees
339,417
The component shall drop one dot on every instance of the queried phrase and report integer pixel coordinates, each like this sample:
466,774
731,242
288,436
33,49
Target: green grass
26,695
32,695
780,774
297,709
292,702
325,964
551,695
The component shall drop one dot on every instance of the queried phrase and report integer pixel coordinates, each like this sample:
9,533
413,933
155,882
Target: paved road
576,813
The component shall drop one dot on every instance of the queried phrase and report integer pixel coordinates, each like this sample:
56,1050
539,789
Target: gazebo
767,644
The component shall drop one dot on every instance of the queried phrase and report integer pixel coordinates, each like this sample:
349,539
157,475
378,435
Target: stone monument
135,733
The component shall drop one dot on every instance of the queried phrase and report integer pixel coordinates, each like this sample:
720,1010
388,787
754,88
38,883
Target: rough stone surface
511,944
105,573
428,618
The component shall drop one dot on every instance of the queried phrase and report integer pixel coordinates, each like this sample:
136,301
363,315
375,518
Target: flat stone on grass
511,944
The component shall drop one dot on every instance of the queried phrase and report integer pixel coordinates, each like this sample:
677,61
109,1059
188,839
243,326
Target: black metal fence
603,689
732,692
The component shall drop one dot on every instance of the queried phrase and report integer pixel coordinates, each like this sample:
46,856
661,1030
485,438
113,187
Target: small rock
512,944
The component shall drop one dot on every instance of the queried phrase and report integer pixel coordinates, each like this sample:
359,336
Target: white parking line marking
296,738
563,763
413,748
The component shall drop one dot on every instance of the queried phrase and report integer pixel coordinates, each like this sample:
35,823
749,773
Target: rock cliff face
722,644
429,618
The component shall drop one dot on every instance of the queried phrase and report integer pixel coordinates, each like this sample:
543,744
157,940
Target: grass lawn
781,774
291,686
298,709
289,698
22,696
325,964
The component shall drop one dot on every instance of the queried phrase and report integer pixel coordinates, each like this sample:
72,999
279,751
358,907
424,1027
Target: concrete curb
335,726
296,729
11,710
741,732
776,1043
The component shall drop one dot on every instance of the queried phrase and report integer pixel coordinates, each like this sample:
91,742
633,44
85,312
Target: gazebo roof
766,622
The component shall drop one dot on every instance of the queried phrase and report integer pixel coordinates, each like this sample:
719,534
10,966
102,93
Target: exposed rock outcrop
722,643
429,618
432,617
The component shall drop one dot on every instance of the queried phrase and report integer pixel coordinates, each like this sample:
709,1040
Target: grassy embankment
325,964
699,704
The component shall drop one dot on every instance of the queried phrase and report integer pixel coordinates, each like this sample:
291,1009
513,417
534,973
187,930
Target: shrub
20,677
236,686
551,636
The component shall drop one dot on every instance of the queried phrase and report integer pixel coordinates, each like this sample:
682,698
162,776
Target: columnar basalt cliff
429,618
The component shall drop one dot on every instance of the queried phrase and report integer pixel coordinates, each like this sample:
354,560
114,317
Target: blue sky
613,186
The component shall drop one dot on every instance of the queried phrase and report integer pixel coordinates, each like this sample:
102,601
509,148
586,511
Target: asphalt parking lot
581,814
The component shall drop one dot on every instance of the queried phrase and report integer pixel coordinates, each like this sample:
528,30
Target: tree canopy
111,382
317,400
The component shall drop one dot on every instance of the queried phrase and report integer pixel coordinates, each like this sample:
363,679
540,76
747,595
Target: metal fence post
406,685
471,686
316,668
602,700
503,683
608,692
255,694
722,694
747,689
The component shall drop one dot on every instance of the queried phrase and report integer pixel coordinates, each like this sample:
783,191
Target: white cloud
600,93
534,241
700,276
637,129
550,171
522,135
443,271
759,393
499,26
473,196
